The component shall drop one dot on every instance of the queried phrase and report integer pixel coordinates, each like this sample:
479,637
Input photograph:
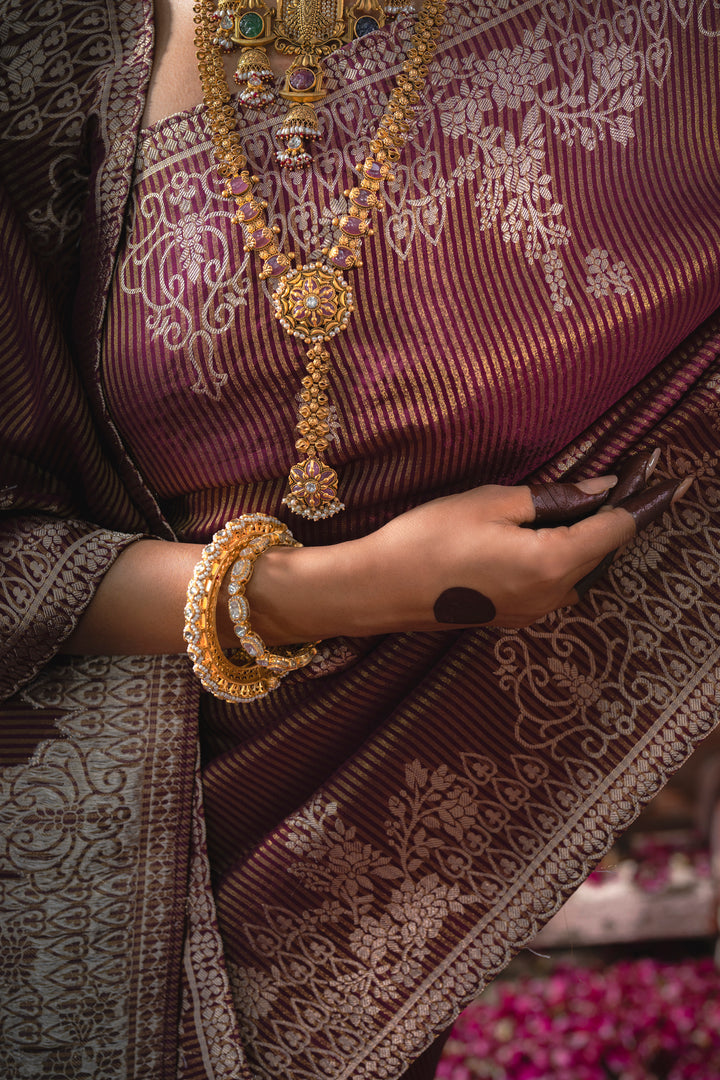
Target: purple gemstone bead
261,238
353,226
249,211
275,265
373,171
341,257
302,79
361,197
238,186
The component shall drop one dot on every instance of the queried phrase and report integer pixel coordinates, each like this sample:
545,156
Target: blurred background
624,982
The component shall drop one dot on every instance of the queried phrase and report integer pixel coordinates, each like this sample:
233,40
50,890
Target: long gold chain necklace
313,302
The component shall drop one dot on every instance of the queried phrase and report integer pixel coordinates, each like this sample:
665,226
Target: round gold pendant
313,302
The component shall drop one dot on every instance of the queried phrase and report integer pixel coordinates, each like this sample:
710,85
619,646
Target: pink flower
640,1020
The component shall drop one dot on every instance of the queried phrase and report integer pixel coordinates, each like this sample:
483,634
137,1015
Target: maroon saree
391,825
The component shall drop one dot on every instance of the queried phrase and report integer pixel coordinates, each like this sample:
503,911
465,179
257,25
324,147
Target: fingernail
632,476
683,488
652,463
645,506
597,484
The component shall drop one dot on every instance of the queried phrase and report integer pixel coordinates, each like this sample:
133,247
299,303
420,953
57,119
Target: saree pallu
388,828
456,790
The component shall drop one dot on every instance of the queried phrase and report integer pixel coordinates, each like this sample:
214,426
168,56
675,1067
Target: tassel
252,74
300,123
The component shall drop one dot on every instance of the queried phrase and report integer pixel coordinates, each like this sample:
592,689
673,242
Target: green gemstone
251,25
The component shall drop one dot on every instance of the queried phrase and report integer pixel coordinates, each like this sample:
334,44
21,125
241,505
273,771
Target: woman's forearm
294,595
138,606
475,544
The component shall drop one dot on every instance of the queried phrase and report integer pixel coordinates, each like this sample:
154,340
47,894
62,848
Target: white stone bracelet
251,671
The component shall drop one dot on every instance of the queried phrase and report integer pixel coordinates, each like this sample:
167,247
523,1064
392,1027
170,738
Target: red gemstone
238,186
302,79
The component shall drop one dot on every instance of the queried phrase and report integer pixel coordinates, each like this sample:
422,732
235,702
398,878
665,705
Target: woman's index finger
559,504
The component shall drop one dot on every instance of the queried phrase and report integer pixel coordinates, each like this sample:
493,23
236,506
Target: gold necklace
313,302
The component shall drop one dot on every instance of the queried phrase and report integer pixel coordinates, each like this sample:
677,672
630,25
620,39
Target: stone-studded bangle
288,658
235,677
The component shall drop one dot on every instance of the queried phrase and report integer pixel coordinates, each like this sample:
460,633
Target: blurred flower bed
640,1019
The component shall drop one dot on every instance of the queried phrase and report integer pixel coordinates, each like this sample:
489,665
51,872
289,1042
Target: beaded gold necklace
313,302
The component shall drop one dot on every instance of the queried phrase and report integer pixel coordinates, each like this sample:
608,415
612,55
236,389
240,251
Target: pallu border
137,785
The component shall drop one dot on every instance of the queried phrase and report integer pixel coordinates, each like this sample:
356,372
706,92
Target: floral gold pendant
313,302
312,490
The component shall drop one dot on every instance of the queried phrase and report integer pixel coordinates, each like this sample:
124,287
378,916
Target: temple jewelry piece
306,29
240,676
303,84
224,16
313,302
252,75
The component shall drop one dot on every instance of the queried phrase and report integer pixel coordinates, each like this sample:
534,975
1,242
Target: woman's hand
493,554
500,555
471,558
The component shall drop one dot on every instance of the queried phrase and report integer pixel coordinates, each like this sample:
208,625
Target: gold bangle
235,677
289,658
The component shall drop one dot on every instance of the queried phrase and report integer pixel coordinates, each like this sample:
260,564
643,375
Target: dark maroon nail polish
558,503
632,477
463,606
646,506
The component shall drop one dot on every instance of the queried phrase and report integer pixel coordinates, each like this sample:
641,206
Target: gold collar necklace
313,302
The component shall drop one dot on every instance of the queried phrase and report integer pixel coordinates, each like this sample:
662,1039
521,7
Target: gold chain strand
313,302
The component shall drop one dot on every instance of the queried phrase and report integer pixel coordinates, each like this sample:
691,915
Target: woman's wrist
138,606
306,594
